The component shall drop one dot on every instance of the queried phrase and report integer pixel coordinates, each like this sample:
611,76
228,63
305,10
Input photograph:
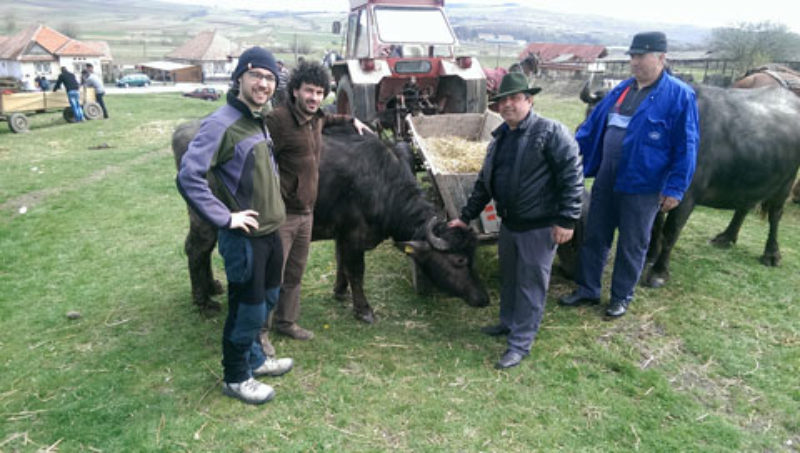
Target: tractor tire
92,111
18,122
355,100
69,115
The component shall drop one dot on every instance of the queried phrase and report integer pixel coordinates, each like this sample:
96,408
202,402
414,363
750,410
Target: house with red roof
215,54
39,50
564,59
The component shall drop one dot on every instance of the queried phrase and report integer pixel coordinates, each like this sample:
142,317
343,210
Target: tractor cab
399,59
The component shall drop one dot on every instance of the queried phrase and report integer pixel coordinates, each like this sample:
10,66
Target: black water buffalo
749,155
366,194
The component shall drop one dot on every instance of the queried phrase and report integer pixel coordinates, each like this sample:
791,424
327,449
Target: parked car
209,94
134,80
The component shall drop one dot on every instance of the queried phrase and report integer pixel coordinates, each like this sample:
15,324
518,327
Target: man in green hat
533,172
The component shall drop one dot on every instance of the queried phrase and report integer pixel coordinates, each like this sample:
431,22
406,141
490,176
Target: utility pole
295,48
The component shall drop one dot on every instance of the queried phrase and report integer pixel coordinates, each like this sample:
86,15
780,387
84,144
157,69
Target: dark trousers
632,215
295,236
99,97
525,261
253,268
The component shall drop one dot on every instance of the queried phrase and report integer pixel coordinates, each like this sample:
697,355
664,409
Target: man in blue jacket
640,144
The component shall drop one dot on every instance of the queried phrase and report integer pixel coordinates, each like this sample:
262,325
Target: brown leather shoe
266,346
295,331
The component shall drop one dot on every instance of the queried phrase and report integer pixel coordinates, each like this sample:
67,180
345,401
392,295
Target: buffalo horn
435,241
586,95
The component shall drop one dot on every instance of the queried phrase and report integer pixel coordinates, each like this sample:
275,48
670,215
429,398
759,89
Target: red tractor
399,59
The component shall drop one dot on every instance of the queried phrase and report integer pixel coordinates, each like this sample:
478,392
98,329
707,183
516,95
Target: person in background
72,87
296,128
640,143
27,83
93,81
281,94
533,172
229,177
43,83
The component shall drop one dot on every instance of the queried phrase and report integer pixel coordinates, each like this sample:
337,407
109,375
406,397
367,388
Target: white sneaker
274,367
250,391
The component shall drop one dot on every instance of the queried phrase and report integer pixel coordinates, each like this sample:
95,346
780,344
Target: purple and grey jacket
229,167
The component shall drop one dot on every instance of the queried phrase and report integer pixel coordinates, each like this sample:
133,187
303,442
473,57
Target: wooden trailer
15,107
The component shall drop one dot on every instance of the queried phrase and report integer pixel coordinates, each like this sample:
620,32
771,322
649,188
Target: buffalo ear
413,248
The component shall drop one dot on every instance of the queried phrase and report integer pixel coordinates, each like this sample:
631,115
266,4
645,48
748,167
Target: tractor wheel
92,111
69,115
355,100
18,122
344,96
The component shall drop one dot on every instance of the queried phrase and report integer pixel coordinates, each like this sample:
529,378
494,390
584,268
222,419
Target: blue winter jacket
659,150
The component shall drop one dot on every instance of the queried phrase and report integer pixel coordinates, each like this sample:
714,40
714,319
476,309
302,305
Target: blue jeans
74,97
253,269
632,216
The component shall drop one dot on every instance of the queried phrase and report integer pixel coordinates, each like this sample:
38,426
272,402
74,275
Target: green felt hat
513,83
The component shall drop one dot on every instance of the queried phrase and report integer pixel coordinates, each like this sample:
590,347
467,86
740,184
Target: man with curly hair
296,128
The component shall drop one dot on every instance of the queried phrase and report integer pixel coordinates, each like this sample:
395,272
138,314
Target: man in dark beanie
640,144
296,128
229,177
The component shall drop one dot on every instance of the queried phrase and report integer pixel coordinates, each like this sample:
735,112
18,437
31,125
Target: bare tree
753,44
10,22
70,29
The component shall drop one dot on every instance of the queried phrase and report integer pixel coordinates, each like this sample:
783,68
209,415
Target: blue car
134,80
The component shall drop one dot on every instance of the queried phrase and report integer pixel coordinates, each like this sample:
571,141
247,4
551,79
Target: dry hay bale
452,154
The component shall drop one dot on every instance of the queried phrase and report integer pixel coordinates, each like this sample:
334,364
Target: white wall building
40,50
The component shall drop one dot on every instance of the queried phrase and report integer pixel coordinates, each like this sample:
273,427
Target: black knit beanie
256,57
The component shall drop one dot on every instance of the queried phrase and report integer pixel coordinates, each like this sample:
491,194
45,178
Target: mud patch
648,338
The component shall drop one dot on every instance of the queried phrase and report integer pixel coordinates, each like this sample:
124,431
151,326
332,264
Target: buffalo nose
479,299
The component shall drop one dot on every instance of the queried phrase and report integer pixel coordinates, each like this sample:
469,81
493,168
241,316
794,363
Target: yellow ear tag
409,250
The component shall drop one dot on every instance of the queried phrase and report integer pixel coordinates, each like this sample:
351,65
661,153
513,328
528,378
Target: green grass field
709,363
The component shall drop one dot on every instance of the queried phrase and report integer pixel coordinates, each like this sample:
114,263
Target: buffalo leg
675,221
199,245
656,238
796,192
353,265
340,287
731,233
774,207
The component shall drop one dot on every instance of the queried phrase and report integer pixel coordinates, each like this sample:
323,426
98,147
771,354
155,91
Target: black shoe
617,308
495,330
575,299
508,360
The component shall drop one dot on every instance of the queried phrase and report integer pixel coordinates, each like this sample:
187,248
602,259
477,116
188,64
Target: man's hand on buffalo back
561,235
244,220
668,203
457,223
361,127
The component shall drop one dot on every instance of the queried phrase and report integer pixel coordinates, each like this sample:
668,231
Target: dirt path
23,203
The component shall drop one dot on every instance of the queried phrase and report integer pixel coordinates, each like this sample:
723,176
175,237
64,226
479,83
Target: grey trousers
525,261
295,236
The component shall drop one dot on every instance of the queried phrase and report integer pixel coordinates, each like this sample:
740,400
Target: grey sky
710,14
